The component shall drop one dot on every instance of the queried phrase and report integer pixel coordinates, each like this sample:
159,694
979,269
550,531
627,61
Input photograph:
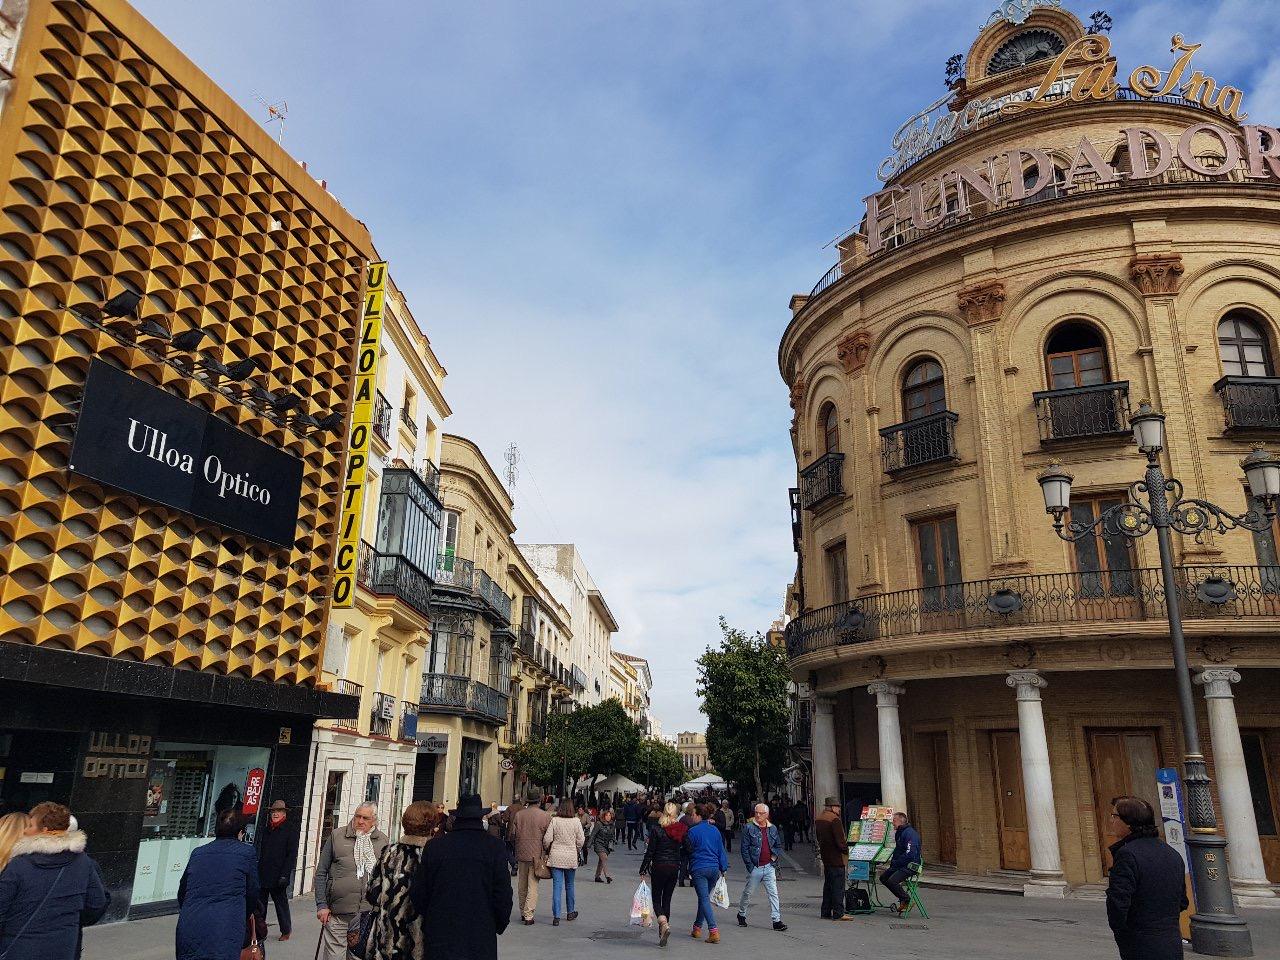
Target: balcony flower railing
1023,603
456,573
822,480
382,417
445,693
925,440
1250,403
1078,413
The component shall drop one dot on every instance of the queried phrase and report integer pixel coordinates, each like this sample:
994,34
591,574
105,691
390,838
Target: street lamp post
1215,928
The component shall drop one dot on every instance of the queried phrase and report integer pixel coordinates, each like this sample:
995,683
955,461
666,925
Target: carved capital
1156,274
854,349
797,395
981,302
1217,682
886,693
1028,683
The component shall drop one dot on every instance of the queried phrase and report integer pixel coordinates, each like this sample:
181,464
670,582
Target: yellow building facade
376,648
166,540
1019,284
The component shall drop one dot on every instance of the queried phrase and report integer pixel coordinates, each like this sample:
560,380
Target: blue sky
598,212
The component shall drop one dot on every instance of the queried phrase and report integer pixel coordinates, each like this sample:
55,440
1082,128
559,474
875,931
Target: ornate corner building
1054,240
179,306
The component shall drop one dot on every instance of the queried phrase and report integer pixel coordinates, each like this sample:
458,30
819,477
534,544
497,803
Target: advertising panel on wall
366,388
146,441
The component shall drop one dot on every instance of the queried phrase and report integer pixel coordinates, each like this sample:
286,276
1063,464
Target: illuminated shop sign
145,441
937,124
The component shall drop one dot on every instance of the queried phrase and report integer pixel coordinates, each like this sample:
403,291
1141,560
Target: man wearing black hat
462,889
828,830
277,854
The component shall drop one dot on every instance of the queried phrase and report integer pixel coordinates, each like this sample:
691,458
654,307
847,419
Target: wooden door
1263,789
1123,764
939,754
1011,802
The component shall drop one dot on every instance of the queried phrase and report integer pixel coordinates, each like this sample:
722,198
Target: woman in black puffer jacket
668,843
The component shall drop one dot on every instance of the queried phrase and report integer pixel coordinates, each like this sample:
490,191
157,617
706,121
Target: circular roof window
1025,48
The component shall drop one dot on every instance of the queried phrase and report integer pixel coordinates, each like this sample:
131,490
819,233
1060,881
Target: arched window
1242,346
923,391
1031,176
830,429
1075,356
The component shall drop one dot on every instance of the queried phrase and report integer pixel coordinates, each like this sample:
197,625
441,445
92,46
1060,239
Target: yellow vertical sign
366,388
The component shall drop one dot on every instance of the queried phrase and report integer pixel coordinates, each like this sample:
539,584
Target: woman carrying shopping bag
708,863
668,845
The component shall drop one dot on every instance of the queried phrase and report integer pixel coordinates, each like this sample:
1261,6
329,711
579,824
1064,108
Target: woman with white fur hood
48,889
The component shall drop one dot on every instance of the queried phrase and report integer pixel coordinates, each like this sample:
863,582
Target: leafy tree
612,738
657,764
743,685
564,751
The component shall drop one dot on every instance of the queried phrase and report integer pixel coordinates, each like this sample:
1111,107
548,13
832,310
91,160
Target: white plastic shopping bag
642,906
720,895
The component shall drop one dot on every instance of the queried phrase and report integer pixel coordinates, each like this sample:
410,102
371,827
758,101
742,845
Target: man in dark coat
277,854
1146,889
905,860
828,828
462,889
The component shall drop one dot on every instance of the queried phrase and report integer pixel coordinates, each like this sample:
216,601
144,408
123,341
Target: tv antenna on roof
276,113
513,471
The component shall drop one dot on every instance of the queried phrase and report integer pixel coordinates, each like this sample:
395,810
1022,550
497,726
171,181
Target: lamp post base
1216,931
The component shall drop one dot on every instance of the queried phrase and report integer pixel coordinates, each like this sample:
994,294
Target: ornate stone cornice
1217,682
854,349
981,302
1156,274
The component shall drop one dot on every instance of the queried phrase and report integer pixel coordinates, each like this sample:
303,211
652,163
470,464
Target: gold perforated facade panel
124,167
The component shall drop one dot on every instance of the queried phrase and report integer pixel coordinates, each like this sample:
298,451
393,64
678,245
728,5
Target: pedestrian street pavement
961,925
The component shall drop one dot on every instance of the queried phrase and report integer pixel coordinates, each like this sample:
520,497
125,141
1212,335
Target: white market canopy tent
615,781
702,782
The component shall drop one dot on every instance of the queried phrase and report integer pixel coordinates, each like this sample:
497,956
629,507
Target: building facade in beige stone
980,324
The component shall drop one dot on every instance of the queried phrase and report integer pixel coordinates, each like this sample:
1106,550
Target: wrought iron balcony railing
918,442
1024,603
493,596
443,693
822,480
430,475
1077,413
1250,403
394,575
408,721
455,573
351,689
406,417
383,716
382,417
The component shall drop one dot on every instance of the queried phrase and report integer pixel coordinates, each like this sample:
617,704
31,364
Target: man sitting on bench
906,857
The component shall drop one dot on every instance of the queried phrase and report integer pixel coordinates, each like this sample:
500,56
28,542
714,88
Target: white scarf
364,853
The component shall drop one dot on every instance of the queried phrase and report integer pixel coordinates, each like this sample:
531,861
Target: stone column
826,777
1037,786
1244,852
893,778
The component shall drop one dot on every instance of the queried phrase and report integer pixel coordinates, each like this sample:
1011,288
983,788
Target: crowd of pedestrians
444,889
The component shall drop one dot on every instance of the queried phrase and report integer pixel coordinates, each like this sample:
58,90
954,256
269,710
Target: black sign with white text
145,441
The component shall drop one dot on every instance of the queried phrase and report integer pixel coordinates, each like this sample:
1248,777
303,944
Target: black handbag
856,900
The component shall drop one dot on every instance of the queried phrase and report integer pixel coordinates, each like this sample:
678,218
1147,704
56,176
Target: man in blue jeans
760,842
906,857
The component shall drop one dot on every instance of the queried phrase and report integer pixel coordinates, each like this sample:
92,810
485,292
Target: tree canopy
743,685
657,764
591,741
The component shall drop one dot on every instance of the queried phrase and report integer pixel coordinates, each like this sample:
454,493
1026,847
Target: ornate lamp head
1148,427
1055,484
